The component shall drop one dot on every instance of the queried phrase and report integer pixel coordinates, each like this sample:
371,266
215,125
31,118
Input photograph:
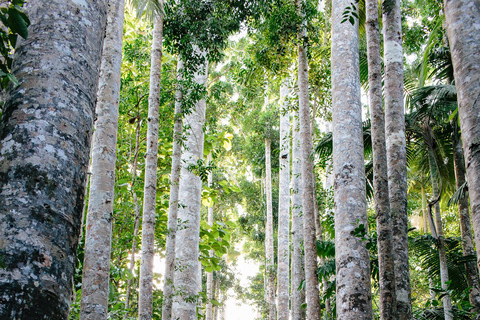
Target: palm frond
148,8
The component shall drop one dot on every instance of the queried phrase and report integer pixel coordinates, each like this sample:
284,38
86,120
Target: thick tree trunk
310,240
387,301
98,236
396,152
136,222
298,270
173,202
465,225
462,18
437,232
145,298
283,257
352,259
45,136
209,307
269,247
186,278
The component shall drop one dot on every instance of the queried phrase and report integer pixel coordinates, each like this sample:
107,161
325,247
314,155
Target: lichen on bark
45,136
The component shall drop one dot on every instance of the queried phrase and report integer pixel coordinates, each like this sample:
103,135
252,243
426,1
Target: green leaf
17,23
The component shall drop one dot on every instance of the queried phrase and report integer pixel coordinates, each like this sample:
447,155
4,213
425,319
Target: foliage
15,23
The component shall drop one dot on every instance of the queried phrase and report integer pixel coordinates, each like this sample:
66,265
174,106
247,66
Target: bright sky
236,310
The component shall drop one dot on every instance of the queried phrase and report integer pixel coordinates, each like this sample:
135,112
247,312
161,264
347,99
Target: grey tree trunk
145,297
98,236
298,270
465,224
387,301
269,248
209,306
462,18
352,259
283,277
45,136
137,216
310,240
437,233
168,287
396,152
186,278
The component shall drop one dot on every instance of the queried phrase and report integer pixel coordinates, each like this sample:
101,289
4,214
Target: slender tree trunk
352,260
437,232
137,216
145,299
298,270
462,18
426,220
387,301
465,225
186,278
210,287
396,152
45,136
173,202
98,236
310,241
283,257
269,246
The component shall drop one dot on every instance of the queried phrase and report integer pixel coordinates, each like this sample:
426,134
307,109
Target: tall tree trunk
387,301
298,270
310,240
462,18
352,259
137,216
45,136
426,220
186,279
269,246
283,257
98,236
465,225
173,202
396,152
210,288
145,298
437,232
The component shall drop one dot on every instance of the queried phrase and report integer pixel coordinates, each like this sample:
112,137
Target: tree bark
98,236
387,301
283,257
269,246
310,241
145,298
209,307
173,202
137,216
462,18
352,259
298,270
45,136
186,278
396,152
465,224
437,232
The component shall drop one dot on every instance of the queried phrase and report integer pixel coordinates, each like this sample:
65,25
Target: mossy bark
396,152
387,300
